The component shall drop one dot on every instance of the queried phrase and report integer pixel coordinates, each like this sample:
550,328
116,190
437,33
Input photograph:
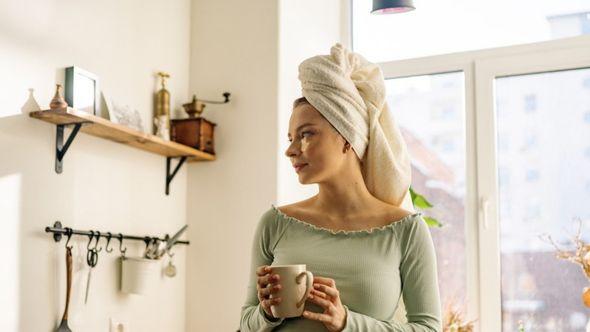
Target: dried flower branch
453,321
580,256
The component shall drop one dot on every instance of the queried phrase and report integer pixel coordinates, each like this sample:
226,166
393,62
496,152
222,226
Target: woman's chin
306,179
303,178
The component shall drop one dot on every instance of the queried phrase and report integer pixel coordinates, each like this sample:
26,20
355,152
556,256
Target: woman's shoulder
295,211
269,219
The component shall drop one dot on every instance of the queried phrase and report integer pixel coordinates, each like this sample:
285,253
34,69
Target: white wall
307,28
235,49
105,185
251,49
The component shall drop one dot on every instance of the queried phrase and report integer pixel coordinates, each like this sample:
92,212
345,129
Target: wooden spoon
63,327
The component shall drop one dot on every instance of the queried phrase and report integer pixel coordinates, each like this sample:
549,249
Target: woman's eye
302,135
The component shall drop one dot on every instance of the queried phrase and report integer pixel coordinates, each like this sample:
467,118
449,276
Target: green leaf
419,200
431,222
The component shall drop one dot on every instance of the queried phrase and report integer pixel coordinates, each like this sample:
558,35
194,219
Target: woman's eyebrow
301,126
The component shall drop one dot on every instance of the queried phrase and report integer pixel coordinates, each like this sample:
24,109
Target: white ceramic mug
138,275
296,284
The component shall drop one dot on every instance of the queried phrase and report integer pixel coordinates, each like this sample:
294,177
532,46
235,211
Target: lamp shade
392,6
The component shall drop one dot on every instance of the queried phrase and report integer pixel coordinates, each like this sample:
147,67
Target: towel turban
349,92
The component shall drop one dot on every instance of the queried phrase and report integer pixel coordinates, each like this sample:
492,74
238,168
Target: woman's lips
298,168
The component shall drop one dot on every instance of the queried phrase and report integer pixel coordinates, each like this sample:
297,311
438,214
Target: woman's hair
300,101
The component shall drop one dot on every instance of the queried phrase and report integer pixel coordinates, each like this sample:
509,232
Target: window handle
483,211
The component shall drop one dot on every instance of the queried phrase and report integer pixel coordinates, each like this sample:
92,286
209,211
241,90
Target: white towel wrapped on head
349,92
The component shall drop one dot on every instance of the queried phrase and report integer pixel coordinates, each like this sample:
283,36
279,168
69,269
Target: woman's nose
292,150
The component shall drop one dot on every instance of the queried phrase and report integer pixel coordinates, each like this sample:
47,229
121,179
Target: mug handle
308,287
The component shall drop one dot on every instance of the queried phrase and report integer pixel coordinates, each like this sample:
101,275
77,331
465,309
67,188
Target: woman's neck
343,197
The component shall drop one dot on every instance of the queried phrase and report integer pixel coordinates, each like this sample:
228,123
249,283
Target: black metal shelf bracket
169,176
60,147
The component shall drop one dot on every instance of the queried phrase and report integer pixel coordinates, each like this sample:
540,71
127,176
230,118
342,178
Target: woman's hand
267,284
325,294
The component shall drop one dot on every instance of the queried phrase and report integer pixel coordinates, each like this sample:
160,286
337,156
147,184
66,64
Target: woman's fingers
318,294
262,270
325,281
267,279
329,306
317,316
271,289
267,284
332,292
268,302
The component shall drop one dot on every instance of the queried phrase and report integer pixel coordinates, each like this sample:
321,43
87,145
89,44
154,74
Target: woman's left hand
325,294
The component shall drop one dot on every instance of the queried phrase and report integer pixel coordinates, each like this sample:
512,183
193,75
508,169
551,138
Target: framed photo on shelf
123,114
81,90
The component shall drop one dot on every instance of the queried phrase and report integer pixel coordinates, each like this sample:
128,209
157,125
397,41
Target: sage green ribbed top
372,270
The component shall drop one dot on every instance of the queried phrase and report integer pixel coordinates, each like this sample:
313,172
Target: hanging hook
109,236
121,245
169,252
96,245
92,253
147,240
91,236
69,235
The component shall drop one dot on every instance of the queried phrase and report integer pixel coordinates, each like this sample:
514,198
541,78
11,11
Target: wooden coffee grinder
195,131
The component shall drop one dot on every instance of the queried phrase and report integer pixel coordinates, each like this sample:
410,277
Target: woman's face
315,145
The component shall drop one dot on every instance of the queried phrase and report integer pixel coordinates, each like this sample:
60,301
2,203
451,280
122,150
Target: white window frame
573,53
481,68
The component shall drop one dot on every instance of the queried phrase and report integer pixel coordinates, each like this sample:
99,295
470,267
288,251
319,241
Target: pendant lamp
392,6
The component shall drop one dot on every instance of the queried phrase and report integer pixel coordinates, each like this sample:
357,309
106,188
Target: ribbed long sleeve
252,315
419,281
372,270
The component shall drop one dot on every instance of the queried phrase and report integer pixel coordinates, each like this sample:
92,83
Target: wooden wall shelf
97,126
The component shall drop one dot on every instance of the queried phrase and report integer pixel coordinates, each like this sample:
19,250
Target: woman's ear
346,147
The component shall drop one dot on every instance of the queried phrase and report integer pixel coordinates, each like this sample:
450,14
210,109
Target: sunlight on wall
10,186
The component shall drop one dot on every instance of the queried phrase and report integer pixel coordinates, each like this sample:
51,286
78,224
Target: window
530,103
523,119
533,211
530,142
503,176
437,147
532,175
530,272
504,142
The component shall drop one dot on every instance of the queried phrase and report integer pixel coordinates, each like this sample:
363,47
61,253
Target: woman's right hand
267,284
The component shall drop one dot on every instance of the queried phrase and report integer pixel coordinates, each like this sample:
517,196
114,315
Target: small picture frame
81,90
123,114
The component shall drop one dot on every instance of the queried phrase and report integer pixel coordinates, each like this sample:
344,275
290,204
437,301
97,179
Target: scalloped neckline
346,232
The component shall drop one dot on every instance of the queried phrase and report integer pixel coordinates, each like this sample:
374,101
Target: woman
356,235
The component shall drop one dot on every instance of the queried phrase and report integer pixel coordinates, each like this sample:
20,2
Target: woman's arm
418,272
253,318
